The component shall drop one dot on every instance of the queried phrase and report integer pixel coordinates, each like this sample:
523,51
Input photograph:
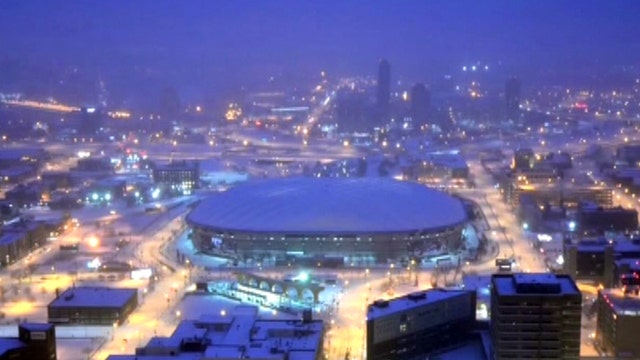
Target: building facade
383,91
419,324
535,316
618,322
180,177
512,98
93,306
35,341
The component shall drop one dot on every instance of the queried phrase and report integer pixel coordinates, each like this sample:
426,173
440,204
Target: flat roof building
535,316
597,260
419,324
240,334
93,306
618,322
179,176
34,341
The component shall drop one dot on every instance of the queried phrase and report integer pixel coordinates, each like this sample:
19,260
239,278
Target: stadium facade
363,220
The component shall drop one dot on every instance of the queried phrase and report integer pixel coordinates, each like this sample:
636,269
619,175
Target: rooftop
178,165
621,303
88,296
454,161
534,284
382,308
7,344
600,244
19,153
329,206
36,326
182,356
240,334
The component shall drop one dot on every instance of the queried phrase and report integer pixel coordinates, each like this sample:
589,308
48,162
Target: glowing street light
93,241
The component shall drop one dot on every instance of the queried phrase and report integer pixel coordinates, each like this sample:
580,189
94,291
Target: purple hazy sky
231,43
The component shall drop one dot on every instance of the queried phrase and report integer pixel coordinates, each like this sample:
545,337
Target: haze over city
312,180
209,49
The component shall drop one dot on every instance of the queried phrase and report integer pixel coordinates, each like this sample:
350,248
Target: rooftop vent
417,296
381,303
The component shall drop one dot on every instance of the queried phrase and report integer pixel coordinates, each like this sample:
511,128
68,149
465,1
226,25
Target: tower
512,97
420,102
383,91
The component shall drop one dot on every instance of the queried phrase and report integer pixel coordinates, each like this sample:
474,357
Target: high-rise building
420,102
383,91
419,324
618,320
91,120
535,316
512,97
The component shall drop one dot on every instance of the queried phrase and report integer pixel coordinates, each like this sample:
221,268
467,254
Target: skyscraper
383,91
512,97
420,102
535,316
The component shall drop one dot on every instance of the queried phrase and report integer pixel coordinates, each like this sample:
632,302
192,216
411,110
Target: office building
34,341
535,316
618,322
523,159
512,98
420,103
90,120
178,176
419,324
595,219
239,334
93,306
20,238
383,91
629,153
598,260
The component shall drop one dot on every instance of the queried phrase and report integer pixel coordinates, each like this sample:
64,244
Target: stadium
362,221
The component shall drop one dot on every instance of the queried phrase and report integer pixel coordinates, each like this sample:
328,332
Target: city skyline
219,47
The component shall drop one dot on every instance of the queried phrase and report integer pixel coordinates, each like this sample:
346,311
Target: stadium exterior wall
363,249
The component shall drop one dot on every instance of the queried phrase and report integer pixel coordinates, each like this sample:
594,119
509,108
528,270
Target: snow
408,302
329,205
94,297
543,283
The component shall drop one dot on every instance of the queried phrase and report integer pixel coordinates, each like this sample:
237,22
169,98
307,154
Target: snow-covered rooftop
329,206
88,296
382,308
621,303
534,284
243,335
